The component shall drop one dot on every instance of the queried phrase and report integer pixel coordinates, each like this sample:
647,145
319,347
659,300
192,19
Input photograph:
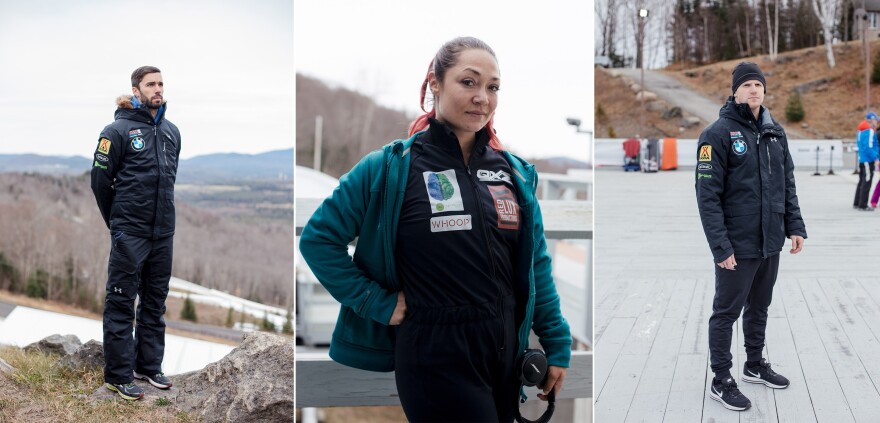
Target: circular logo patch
137,144
739,147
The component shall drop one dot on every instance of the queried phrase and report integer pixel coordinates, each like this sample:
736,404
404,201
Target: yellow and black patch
104,146
706,153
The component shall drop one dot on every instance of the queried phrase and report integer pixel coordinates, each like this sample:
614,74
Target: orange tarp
669,155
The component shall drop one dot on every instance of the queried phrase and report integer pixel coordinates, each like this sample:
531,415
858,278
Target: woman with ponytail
451,271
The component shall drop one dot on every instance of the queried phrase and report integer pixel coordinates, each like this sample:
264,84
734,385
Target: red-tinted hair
446,58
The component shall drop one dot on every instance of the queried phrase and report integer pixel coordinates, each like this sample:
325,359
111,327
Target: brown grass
833,109
40,391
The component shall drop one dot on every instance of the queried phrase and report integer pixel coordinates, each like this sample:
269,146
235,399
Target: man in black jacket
133,174
748,206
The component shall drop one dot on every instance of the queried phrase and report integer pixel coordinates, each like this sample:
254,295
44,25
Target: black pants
138,267
864,186
748,289
456,364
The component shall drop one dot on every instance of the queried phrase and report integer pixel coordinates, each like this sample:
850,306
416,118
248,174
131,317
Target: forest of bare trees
697,32
353,125
54,245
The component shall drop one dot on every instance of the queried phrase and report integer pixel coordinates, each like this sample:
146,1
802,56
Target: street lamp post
643,16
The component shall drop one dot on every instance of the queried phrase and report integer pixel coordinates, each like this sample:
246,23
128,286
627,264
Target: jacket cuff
722,251
382,306
558,355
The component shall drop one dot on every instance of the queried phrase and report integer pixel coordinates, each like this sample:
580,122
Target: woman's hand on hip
399,310
555,377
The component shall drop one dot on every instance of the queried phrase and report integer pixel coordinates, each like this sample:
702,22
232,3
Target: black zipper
479,204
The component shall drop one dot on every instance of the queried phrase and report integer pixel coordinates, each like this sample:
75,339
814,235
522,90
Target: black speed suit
133,174
456,242
748,206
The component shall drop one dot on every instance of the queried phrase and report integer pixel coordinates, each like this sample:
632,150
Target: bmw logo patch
739,147
137,144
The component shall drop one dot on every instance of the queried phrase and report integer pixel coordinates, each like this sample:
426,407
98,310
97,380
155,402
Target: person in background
868,161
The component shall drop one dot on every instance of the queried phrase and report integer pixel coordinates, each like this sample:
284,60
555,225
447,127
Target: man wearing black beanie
748,206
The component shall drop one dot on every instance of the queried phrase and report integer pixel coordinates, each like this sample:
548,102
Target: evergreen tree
266,324
230,321
189,310
37,284
794,110
288,323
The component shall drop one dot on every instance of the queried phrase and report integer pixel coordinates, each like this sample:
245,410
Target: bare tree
772,33
826,11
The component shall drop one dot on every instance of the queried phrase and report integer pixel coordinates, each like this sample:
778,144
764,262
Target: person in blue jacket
451,270
868,161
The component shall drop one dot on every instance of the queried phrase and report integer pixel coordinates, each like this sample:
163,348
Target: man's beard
149,103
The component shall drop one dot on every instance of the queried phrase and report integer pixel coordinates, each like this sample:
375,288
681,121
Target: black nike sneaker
762,373
729,395
128,391
158,380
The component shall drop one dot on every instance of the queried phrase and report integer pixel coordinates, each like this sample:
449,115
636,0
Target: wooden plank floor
654,285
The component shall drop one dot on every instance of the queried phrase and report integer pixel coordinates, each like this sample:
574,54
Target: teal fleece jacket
366,205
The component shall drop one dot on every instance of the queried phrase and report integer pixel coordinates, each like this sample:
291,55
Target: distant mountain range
210,168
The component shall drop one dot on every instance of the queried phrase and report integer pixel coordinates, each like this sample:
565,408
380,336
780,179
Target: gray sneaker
158,380
128,391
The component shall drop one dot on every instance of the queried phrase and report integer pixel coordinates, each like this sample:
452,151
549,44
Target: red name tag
505,206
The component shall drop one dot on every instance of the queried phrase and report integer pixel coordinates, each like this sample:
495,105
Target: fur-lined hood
124,101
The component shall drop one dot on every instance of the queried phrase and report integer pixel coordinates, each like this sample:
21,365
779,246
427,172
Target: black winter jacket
134,170
745,185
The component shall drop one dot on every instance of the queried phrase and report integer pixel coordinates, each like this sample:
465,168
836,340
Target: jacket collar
743,114
128,107
443,137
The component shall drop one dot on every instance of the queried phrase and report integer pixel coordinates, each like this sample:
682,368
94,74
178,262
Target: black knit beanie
747,71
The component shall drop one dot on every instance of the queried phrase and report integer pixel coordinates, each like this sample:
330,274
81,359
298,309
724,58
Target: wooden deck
654,285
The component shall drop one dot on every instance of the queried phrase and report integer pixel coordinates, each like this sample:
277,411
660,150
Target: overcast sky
382,48
227,66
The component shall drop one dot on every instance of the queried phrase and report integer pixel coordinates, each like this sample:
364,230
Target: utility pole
319,129
643,16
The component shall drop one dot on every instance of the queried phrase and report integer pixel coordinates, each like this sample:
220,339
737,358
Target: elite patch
459,222
443,191
98,164
104,146
137,144
706,153
505,206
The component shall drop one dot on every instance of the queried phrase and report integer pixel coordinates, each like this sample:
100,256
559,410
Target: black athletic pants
748,289
864,186
138,267
456,364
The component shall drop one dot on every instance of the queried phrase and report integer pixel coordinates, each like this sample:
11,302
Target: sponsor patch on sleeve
706,153
704,166
104,146
505,206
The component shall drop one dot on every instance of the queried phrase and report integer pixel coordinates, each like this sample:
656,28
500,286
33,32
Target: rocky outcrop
56,344
255,382
5,367
88,356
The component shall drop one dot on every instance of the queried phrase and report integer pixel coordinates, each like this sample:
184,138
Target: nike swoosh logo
720,394
753,374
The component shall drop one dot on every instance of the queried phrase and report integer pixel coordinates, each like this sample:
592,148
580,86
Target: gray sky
227,67
382,49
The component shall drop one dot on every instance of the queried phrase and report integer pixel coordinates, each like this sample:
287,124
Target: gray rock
6,368
649,96
672,113
254,382
88,356
56,344
690,121
635,87
656,106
